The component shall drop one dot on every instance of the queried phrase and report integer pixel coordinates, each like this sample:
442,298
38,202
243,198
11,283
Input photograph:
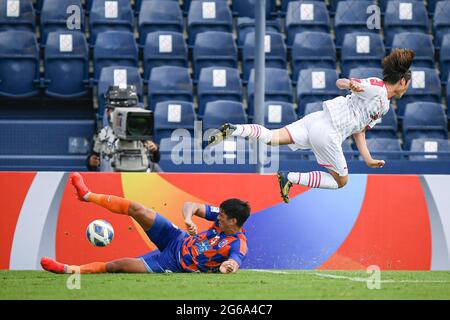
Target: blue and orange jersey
206,251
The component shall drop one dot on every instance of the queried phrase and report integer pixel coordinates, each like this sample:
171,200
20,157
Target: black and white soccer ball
100,233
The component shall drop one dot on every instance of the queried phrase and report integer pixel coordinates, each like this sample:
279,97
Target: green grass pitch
246,284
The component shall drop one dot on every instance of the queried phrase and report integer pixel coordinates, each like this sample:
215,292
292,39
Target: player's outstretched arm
191,209
229,266
346,84
360,140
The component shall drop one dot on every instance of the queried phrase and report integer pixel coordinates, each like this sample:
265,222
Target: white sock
314,179
253,131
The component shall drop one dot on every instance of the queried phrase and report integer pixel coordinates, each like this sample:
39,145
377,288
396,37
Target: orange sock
112,203
95,267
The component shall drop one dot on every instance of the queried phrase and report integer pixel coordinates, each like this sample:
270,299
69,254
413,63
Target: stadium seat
448,96
246,25
159,15
382,145
114,48
444,60
275,50
278,114
364,73
404,16
421,43
304,16
424,120
15,15
310,108
138,4
312,49
425,86
108,15
66,64
246,8
216,83
121,77
19,64
54,17
316,85
169,83
172,115
351,16
278,87
214,49
387,128
219,112
441,22
206,15
431,6
430,145
361,50
164,49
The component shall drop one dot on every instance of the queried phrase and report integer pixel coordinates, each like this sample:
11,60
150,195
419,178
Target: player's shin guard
110,202
253,131
314,179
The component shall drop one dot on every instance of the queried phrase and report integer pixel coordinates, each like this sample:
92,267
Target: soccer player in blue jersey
221,248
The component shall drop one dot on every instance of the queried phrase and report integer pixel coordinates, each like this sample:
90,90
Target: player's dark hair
396,65
236,208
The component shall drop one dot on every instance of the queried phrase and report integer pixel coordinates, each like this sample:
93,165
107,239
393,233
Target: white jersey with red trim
359,110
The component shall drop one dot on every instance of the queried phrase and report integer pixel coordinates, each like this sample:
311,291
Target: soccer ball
100,233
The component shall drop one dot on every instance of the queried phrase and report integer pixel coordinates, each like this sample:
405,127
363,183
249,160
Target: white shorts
316,132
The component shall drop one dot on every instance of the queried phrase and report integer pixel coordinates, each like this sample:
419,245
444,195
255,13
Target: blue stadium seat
17,15
387,128
424,120
425,86
285,3
448,96
431,6
279,114
312,49
430,145
222,111
206,15
108,15
66,64
306,16
118,76
310,108
138,4
318,84
114,48
246,25
404,16
444,60
351,16
441,22
384,144
164,49
278,87
421,43
246,8
214,48
54,16
361,50
159,15
172,115
169,83
364,73
217,83
19,64
275,50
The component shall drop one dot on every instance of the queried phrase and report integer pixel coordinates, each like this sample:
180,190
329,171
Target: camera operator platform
125,144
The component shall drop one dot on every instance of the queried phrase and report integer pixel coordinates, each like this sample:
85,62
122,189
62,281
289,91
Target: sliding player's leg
125,265
144,216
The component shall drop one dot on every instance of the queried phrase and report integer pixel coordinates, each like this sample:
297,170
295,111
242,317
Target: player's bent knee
342,181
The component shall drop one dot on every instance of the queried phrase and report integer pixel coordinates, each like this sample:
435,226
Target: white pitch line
269,271
356,279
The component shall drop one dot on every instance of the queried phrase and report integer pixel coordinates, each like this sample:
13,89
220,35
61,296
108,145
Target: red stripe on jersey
242,244
356,80
326,165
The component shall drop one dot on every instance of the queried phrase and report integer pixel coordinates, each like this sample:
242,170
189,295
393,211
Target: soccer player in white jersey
324,131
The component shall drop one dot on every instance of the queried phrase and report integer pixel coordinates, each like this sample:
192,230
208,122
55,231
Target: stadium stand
445,59
164,49
15,15
421,43
312,49
441,22
221,111
66,64
430,145
278,114
246,25
363,73
311,107
218,83
246,8
383,145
